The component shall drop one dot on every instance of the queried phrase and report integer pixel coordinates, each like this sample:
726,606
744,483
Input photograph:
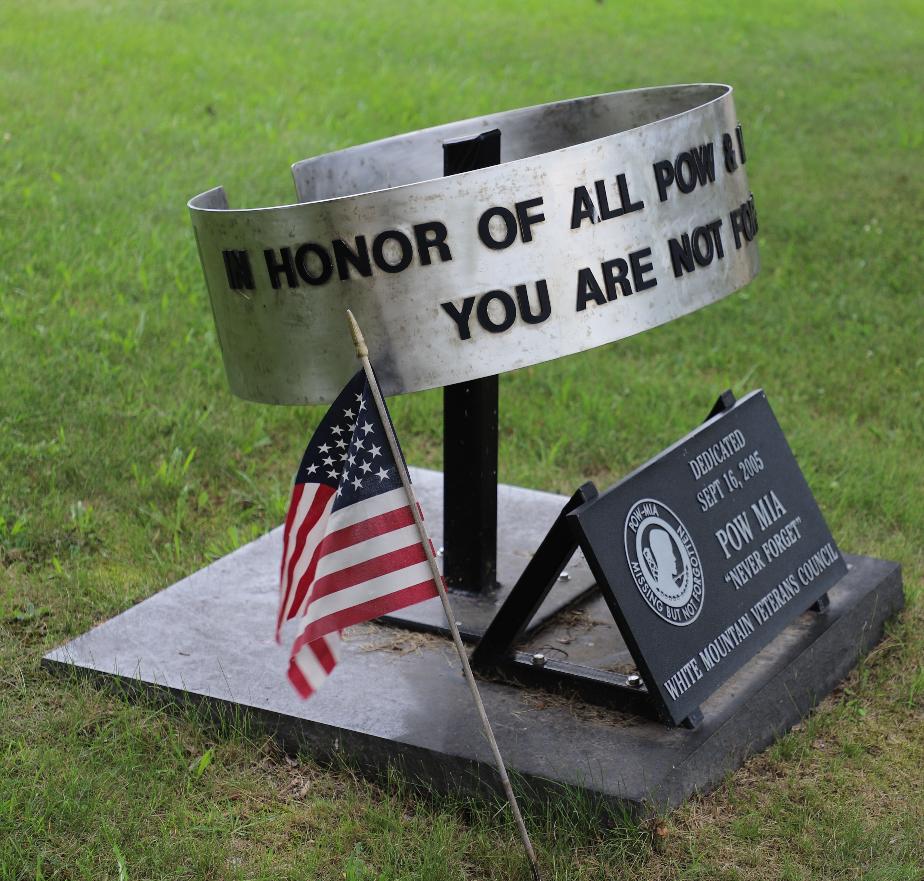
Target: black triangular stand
495,654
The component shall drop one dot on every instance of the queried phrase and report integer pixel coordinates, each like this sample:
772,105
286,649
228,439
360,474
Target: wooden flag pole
362,352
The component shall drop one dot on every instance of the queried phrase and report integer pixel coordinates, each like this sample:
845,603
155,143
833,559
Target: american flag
351,551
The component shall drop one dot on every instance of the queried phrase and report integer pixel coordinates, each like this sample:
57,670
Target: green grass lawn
126,463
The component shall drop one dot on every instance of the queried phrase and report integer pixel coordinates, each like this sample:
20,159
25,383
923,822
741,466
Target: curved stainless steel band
609,215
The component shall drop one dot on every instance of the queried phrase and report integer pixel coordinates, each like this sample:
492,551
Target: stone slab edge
760,718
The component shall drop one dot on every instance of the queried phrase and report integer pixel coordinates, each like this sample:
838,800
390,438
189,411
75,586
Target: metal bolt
538,659
564,577
440,551
633,680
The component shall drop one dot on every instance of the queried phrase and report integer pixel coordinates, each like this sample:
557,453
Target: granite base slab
398,699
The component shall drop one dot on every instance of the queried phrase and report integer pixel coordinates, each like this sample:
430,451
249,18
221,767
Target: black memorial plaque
707,552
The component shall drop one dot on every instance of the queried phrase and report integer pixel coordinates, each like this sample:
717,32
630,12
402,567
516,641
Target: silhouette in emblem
662,561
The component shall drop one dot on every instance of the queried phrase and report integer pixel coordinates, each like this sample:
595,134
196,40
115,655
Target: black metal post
470,436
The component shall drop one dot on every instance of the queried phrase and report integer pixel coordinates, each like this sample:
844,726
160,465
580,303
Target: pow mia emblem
664,562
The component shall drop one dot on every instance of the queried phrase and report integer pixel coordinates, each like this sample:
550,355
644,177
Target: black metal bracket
532,587
725,401
495,655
